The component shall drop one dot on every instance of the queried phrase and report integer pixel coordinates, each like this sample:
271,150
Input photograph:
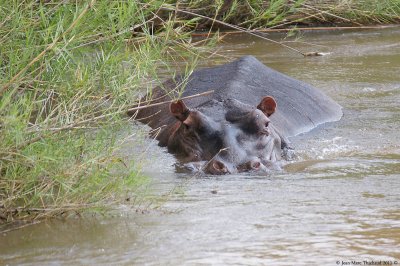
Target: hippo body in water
244,124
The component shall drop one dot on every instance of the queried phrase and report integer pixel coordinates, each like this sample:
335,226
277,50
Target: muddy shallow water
338,202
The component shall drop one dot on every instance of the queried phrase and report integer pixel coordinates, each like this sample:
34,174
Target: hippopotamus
244,125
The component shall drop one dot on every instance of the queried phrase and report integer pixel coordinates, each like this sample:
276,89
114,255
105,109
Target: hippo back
301,107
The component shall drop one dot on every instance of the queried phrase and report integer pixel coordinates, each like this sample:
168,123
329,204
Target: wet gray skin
251,143
338,201
243,101
241,140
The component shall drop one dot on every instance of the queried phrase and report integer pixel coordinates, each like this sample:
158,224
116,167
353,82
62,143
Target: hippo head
195,137
241,139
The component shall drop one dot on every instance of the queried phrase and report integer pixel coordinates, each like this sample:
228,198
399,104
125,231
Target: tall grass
367,11
68,72
255,14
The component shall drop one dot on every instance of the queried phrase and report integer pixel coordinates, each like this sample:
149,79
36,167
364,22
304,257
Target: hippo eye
267,124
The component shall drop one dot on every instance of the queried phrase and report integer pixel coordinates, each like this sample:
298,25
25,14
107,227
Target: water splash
320,149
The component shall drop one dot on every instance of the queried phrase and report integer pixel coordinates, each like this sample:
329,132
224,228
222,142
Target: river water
337,203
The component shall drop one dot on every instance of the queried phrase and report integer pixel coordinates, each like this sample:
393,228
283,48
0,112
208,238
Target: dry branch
165,102
254,33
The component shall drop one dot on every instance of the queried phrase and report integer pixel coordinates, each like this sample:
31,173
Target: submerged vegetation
69,70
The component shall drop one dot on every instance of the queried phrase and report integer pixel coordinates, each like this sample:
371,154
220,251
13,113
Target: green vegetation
68,73
69,70
258,14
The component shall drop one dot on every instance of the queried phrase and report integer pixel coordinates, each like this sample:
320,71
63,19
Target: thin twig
206,164
330,14
76,124
19,227
11,15
48,48
165,102
131,29
234,27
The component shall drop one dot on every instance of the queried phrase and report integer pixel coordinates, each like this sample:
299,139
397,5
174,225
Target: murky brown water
339,201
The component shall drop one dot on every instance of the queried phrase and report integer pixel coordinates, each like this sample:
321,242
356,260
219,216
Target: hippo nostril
256,165
267,124
219,168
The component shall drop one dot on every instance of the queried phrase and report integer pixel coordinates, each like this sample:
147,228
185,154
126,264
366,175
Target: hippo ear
179,110
267,105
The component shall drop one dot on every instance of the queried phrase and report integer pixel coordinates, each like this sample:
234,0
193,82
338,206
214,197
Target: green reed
254,14
68,73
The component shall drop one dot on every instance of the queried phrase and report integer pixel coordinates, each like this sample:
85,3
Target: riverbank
292,13
69,72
